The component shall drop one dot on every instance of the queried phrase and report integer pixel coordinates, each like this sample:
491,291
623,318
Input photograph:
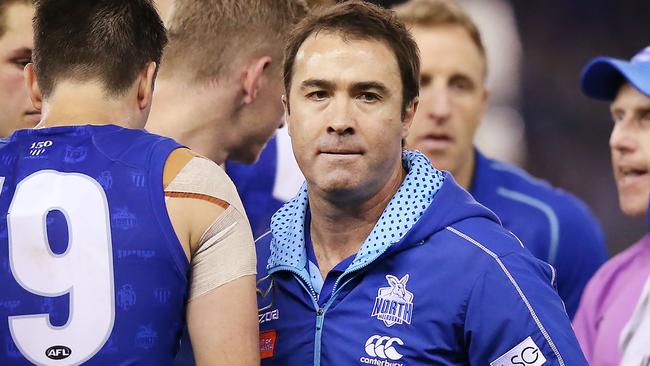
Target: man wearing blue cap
605,324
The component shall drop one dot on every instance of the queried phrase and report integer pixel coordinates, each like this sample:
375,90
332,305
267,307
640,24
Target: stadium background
566,134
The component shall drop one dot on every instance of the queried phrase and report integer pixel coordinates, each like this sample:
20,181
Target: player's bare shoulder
209,220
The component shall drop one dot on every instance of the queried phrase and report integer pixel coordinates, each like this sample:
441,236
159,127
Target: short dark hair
106,40
4,4
359,20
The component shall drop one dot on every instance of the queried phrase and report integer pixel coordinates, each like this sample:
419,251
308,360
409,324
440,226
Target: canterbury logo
383,347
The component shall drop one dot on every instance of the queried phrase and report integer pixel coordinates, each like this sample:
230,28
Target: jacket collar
414,196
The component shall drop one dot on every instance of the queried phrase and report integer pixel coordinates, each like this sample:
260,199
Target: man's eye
645,115
425,80
22,62
462,84
645,119
317,95
617,116
369,97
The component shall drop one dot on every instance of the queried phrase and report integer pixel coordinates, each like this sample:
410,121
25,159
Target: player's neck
338,230
465,174
74,104
194,116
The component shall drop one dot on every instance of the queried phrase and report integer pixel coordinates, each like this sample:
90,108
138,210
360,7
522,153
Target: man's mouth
340,149
633,172
436,141
341,152
628,175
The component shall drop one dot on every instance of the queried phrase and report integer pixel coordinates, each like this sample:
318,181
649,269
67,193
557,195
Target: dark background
566,133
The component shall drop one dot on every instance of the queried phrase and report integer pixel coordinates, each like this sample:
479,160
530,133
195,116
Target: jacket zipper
321,310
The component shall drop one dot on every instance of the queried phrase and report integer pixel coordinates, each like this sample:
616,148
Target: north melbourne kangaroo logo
394,304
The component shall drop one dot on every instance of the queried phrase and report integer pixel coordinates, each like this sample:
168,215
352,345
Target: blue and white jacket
553,224
437,282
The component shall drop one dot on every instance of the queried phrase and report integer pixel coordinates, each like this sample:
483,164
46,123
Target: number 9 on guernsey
84,270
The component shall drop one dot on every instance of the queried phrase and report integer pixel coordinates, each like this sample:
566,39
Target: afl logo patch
58,352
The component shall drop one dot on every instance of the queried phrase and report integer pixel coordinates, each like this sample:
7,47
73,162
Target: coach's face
16,110
345,116
630,146
452,98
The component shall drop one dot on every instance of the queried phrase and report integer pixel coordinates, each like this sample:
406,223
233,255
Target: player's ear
485,100
285,104
32,87
409,114
251,78
145,85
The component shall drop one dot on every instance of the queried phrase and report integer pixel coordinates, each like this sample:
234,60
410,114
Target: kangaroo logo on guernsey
394,304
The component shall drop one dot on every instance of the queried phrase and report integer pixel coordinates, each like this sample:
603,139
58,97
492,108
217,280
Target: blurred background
539,119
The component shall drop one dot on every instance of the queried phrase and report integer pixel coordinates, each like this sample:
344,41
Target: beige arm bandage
226,250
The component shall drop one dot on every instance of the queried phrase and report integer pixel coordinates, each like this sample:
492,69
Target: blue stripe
546,210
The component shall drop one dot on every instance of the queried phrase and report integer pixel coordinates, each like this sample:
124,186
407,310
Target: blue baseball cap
603,76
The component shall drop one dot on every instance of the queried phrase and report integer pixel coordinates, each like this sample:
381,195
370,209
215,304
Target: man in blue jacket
554,225
381,259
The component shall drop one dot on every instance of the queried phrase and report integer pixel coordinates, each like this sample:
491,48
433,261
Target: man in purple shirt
615,290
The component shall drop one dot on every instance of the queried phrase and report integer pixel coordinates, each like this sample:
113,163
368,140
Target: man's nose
437,104
623,137
342,120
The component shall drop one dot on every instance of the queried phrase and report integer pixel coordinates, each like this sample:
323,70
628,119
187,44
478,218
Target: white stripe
260,238
263,235
516,237
553,274
514,283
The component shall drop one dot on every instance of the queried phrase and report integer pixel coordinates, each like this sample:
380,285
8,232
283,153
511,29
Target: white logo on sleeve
525,353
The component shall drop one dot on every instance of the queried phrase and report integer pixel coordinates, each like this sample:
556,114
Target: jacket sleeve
581,251
586,318
514,316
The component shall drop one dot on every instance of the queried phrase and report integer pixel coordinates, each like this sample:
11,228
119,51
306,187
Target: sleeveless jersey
91,270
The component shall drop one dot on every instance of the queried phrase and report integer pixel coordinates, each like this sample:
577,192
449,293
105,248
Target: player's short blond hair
4,4
433,13
207,36
320,4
